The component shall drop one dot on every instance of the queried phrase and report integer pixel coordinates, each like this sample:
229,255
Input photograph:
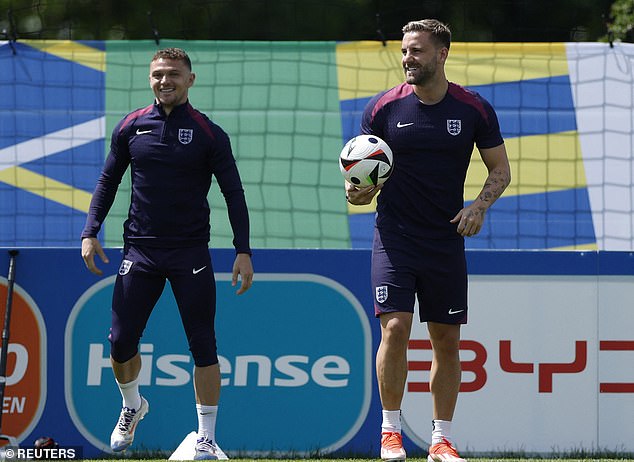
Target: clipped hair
173,53
438,30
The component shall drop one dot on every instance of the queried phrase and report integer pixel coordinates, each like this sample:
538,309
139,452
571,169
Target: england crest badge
125,267
454,126
185,135
381,294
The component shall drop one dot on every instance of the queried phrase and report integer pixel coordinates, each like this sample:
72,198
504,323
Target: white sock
130,394
207,421
440,429
391,421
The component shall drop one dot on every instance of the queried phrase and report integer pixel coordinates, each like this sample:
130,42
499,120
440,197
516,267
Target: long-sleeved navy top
172,159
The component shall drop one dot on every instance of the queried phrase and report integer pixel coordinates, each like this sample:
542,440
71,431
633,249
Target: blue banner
296,351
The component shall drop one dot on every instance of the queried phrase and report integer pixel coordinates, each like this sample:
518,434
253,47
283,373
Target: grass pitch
410,459
416,459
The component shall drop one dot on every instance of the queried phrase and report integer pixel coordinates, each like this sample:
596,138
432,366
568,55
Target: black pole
5,330
155,32
379,29
11,34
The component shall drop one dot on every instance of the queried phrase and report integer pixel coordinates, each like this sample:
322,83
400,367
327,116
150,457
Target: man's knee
203,349
396,328
445,338
122,350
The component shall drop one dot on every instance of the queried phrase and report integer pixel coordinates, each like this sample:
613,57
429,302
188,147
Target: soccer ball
366,160
45,442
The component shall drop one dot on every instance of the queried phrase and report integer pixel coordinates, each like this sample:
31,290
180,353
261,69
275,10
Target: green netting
279,103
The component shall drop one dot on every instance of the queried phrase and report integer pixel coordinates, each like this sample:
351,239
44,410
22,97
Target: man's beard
423,75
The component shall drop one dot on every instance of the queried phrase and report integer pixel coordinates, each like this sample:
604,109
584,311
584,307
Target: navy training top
172,160
432,146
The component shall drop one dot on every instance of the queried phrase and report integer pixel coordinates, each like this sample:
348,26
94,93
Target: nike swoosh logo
142,132
400,125
196,271
452,311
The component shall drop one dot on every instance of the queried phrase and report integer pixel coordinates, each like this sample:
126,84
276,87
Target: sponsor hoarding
547,353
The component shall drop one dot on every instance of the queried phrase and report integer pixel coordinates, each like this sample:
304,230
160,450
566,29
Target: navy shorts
139,285
434,270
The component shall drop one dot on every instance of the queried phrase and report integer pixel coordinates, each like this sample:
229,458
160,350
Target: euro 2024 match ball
366,160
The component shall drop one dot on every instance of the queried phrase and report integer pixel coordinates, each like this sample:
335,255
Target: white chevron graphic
52,143
37,148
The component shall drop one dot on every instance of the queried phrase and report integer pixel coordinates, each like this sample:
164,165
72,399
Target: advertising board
547,355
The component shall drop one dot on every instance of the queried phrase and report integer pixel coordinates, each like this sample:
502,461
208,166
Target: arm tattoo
495,184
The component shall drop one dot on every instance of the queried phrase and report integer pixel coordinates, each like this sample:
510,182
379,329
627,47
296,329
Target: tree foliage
471,20
621,26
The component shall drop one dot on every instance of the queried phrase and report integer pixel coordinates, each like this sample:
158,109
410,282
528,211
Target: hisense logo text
175,370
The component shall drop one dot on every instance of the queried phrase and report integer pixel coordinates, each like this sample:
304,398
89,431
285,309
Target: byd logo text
545,371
